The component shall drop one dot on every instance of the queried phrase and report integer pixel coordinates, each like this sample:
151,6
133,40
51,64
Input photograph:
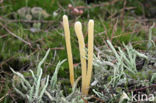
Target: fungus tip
91,21
78,27
78,24
65,17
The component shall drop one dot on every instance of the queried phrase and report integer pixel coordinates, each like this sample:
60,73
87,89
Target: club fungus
86,73
78,30
90,53
68,46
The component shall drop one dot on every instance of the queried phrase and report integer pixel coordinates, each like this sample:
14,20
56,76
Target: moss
51,35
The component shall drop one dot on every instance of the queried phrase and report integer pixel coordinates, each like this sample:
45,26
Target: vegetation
124,60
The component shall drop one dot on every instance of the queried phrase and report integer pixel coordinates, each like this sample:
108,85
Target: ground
26,36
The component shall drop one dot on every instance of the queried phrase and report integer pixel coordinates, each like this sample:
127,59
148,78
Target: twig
5,61
77,8
98,99
98,5
144,88
114,30
57,48
3,36
21,39
3,97
27,21
122,14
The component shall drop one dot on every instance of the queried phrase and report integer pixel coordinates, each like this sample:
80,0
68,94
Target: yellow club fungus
86,73
68,46
78,30
90,53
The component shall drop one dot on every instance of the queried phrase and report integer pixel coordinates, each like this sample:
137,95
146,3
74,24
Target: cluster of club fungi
86,70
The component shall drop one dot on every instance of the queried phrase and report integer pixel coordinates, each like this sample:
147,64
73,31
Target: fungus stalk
90,53
78,30
68,46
